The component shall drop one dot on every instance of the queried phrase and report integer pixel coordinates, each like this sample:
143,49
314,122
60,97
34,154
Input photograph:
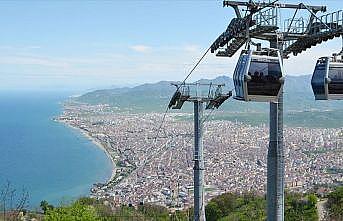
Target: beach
97,144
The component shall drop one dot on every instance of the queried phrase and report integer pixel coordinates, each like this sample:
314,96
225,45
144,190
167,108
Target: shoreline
97,144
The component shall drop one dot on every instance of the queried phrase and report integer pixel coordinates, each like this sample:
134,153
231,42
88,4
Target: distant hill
300,107
145,97
155,96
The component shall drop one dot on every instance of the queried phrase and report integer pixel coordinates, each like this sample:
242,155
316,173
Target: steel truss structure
262,21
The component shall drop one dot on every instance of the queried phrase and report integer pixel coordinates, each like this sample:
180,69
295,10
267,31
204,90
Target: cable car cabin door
319,79
239,76
335,81
264,78
246,64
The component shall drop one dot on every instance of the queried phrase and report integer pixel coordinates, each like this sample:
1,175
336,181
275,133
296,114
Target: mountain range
154,97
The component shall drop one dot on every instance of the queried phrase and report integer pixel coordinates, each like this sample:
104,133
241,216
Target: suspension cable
178,87
196,65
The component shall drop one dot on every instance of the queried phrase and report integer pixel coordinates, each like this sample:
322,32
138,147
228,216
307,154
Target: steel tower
262,21
213,100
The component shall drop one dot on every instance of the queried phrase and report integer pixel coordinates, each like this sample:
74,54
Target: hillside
225,207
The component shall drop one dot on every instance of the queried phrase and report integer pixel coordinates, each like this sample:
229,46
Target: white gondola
258,75
327,79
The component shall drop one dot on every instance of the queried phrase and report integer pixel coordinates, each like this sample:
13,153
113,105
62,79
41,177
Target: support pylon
199,208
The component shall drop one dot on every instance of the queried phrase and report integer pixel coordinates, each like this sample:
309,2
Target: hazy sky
91,44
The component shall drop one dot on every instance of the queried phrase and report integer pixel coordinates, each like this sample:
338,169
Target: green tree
74,212
213,211
312,200
87,201
45,206
300,207
154,211
335,204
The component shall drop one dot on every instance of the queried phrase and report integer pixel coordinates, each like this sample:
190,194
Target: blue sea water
52,161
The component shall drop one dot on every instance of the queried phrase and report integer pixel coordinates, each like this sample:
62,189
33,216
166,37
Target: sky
99,44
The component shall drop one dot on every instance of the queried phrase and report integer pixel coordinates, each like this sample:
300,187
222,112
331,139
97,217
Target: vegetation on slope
226,207
94,210
335,204
231,207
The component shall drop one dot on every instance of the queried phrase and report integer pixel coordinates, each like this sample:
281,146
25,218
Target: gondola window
265,77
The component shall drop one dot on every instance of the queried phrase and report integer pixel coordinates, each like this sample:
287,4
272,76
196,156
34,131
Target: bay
50,160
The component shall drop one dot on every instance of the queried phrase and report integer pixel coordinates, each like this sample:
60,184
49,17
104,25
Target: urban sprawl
159,169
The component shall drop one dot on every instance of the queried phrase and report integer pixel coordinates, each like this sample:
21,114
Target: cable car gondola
258,75
327,78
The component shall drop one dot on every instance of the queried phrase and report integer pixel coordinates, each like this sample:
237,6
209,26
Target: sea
48,159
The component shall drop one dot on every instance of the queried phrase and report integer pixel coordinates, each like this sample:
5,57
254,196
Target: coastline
97,144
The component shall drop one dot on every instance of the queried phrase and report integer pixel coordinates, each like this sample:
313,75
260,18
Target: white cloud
140,48
17,48
33,60
170,62
34,47
191,48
